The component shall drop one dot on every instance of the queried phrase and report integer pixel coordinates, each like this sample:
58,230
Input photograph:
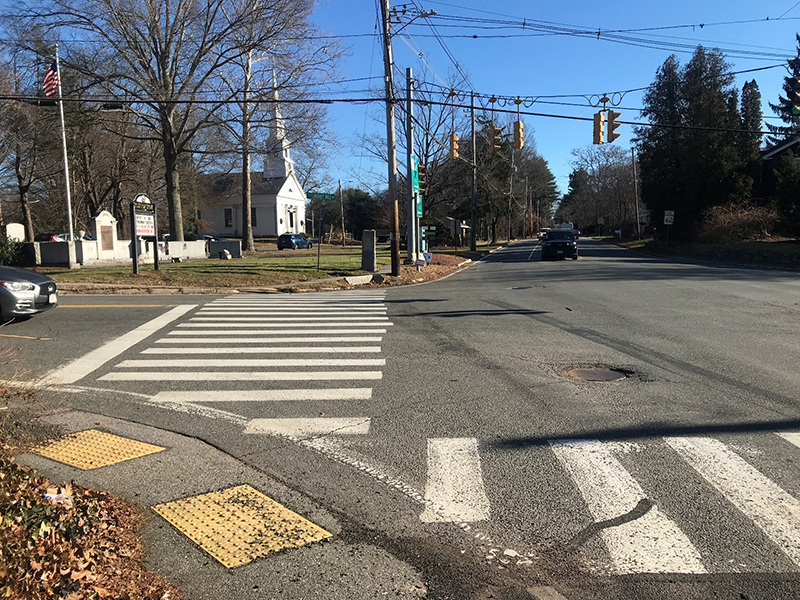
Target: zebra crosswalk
638,534
318,348
259,361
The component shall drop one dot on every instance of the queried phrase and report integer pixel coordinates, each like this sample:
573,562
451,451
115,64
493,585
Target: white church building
278,202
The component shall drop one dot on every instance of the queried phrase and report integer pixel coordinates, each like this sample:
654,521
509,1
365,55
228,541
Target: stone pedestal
369,260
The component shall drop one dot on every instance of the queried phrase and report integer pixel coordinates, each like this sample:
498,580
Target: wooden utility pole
636,195
341,201
390,139
473,192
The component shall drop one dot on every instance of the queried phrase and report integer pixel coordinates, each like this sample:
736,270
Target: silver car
24,292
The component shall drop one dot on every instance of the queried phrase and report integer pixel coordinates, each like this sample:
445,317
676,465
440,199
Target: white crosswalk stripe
270,342
650,543
638,535
455,483
774,511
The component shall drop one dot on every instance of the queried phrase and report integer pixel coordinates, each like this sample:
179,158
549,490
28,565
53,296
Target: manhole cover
596,374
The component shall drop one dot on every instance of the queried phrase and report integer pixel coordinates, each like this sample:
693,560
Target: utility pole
636,195
390,140
473,195
527,202
341,201
411,227
510,192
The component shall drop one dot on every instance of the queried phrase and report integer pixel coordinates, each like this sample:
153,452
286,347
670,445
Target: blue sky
515,62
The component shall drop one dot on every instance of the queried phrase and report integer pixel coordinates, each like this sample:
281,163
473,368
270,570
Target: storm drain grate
92,449
596,374
239,524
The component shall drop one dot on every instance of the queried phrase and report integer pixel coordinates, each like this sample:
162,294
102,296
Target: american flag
50,83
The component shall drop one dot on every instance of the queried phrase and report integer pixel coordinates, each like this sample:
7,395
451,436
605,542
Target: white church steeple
277,162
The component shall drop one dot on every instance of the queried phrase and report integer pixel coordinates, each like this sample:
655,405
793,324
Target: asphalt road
473,457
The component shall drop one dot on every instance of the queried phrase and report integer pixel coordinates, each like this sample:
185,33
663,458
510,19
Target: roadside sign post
143,224
669,219
329,198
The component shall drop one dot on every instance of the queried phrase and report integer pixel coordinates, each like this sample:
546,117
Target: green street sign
316,196
414,175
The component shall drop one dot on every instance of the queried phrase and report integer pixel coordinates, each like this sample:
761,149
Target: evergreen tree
751,142
783,108
692,157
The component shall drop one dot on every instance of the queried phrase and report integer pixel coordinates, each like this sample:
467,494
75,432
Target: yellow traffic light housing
519,135
423,178
599,127
453,146
612,125
494,138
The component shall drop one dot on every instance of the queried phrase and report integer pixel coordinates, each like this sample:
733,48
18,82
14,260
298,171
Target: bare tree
162,57
287,68
26,143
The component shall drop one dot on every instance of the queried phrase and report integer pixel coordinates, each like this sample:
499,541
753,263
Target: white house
278,202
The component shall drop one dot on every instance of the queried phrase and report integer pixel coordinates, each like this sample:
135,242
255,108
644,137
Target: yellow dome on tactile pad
92,449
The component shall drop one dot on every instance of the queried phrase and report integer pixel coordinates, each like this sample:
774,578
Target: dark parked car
293,241
24,292
559,243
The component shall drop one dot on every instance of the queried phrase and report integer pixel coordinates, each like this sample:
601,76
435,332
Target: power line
514,111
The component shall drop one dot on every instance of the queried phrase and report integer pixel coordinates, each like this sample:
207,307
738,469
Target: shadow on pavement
651,431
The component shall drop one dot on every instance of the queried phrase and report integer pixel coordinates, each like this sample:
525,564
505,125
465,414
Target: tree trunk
24,205
26,212
172,177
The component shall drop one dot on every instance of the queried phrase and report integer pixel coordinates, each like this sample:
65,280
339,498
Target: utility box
369,259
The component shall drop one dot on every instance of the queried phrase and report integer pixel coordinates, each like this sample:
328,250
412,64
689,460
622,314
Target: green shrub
10,250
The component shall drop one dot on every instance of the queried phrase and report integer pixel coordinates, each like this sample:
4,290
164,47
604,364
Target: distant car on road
542,232
576,233
25,292
293,241
559,243
51,237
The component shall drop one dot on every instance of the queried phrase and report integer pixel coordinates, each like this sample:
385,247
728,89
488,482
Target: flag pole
64,146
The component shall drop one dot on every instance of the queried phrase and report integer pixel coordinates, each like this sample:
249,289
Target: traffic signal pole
390,138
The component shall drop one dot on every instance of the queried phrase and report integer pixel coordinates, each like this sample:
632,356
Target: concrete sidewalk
216,527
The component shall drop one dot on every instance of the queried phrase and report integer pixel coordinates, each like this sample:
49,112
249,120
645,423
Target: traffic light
494,138
423,178
453,146
599,127
519,135
612,125
794,95
112,106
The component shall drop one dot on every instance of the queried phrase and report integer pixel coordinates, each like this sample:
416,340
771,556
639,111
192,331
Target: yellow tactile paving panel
239,524
92,449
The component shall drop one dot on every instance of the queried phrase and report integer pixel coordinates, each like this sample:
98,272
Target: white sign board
599,220
669,217
145,225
